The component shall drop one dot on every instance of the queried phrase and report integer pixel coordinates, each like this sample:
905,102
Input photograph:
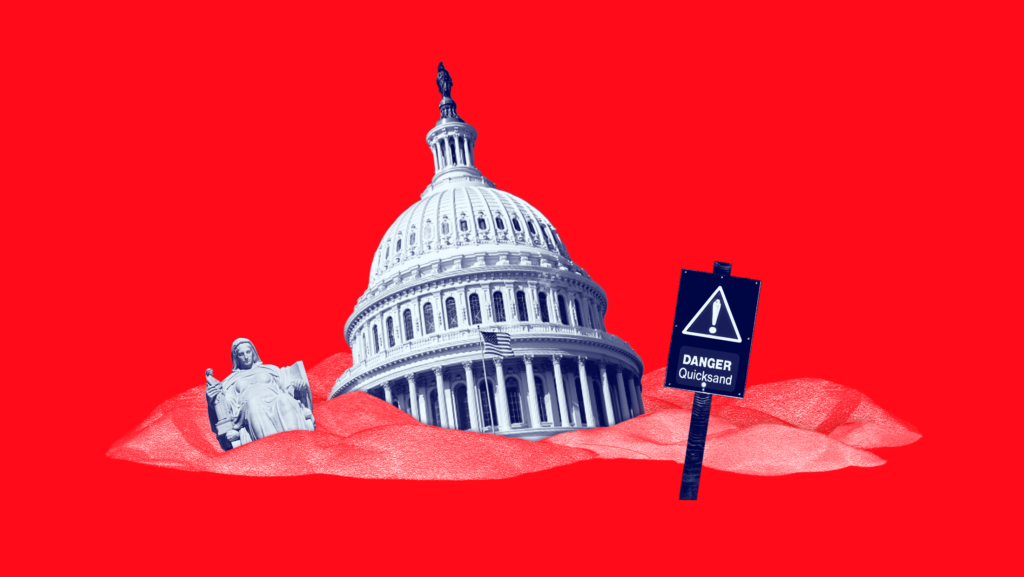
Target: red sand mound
801,425
322,376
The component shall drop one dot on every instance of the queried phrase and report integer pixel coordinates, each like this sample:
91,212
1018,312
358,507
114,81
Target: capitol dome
466,260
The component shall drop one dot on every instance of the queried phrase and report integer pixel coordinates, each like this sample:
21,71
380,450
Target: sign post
710,351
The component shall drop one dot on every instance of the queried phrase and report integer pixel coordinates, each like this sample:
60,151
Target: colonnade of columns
452,150
577,399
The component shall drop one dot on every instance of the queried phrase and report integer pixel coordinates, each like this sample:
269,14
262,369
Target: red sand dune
802,425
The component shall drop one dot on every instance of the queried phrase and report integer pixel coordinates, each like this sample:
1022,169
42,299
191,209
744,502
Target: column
426,409
639,394
487,305
623,403
433,151
504,422
462,306
532,302
458,152
466,154
606,392
553,306
556,319
632,396
563,406
417,317
570,304
387,393
575,416
552,405
399,326
587,401
442,407
531,392
414,397
474,418
449,397
382,332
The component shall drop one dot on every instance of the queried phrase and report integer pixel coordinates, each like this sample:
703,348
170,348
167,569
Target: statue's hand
232,435
209,372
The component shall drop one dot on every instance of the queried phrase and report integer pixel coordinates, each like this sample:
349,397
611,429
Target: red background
181,176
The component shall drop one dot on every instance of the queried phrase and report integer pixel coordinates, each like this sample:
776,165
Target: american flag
497,343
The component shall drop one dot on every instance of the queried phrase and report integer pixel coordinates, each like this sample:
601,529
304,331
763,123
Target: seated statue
257,400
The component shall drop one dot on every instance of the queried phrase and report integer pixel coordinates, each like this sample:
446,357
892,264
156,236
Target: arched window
515,404
576,312
541,398
499,223
529,225
387,252
398,246
515,224
487,400
474,310
428,230
462,408
499,307
481,223
521,305
407,320
428,318
562,315
391,332
376,340
543,298
412,239
453,316
445,229
544,233
463,225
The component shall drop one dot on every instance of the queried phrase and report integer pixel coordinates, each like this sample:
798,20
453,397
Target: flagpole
487,382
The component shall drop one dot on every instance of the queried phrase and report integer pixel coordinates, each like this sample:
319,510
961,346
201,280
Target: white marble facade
469,257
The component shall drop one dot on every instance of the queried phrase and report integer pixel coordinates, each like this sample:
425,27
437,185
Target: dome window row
497,311
545,235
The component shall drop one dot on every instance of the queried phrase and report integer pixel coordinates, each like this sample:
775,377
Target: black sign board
712,333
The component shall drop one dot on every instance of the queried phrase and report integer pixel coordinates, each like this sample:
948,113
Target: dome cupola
452,140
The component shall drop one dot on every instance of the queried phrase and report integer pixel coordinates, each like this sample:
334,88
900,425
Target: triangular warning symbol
714,320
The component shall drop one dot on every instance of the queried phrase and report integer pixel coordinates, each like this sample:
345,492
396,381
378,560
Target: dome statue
469,260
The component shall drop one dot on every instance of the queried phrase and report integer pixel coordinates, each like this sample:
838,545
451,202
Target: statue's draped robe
260,405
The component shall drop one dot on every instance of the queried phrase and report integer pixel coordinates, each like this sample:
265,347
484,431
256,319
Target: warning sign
706,322
712,333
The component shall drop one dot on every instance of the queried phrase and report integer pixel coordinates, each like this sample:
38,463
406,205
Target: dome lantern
452,141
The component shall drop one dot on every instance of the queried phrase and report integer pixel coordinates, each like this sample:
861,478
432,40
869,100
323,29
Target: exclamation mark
715,308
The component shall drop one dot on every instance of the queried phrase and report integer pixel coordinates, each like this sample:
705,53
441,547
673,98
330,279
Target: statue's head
243,355
440,66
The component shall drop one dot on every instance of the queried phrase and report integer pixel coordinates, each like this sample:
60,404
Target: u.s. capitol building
469,257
